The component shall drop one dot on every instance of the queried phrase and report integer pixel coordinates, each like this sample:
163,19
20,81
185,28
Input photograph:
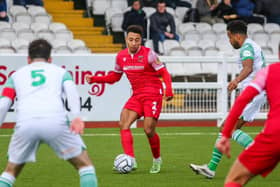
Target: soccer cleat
203,170
135,166
156,166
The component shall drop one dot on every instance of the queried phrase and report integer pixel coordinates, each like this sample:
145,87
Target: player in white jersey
251,60
42,118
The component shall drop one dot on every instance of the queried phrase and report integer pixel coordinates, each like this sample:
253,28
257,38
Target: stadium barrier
103,102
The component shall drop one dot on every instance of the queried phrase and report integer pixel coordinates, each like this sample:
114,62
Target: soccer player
250,61
143,69
41,116
262,156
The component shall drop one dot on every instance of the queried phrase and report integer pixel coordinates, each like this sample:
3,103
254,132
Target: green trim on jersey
263,59
67,77
9,83
247,52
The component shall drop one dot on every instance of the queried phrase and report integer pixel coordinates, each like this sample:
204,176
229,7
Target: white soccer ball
123,163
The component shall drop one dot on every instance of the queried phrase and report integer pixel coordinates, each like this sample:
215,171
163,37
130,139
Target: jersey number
39,76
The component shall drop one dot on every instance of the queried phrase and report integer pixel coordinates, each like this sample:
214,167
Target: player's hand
168,94
89,79
168,98
223,145
3,14
232,85
77,126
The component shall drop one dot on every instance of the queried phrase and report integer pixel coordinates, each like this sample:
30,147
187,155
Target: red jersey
141,70
266,79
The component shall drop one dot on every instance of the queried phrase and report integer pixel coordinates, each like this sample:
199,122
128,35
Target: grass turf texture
104,145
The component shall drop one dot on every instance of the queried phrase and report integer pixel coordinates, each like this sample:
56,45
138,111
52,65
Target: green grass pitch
179,146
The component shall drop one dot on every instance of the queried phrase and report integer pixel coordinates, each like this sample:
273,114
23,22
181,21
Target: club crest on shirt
140,58
158,61
124,59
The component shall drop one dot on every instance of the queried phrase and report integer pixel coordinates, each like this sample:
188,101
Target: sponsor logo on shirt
247,53
140,58
158,61
133,67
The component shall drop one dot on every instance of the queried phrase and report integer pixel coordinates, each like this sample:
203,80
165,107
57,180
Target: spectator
269,8
244,10
160,21
174,3
28,2
146,3
149,3
3,11
136,16
205,8
225,11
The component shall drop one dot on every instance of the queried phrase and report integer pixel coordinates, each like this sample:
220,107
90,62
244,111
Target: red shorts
262,156
147,106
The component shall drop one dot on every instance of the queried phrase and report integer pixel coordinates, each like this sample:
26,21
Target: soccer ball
123,163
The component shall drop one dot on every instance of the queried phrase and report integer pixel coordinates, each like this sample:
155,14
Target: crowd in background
210,11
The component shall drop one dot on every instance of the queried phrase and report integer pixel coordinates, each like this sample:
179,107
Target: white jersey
39,90
251,50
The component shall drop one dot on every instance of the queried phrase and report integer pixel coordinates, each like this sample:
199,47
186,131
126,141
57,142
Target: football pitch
179,147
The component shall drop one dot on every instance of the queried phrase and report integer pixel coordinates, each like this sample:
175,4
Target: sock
6,180
88,177
216,156
242,138
232,184
127,142
155,145
157,159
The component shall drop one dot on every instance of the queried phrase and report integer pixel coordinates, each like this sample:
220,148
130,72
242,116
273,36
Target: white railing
203,100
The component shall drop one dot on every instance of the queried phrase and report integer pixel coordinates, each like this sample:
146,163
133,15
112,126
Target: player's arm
6,98
246,70
73,98
255,87
111,78
161,69
168,83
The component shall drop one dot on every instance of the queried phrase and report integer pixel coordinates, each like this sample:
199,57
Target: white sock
87,169
157,159
8,178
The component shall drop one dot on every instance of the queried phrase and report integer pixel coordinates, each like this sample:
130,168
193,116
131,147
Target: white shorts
254,107
30,134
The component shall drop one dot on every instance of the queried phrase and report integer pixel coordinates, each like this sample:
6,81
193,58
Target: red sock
127,142
232,184
155,145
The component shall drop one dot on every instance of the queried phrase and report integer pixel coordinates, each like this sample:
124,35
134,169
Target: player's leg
241,137
238,135
238,175
128,117
86,170
154,141
248,115
69,146
130,113
152,108
10,174
209,169
22,149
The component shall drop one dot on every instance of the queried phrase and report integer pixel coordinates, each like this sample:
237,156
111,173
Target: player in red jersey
263,154
143,69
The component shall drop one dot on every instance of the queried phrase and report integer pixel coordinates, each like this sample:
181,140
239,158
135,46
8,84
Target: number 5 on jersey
38,77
